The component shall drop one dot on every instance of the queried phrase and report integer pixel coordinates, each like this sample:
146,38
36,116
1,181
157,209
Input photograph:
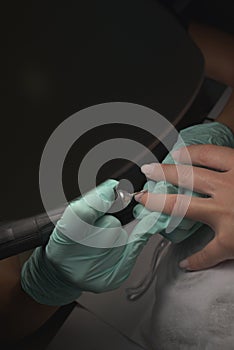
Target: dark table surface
63,58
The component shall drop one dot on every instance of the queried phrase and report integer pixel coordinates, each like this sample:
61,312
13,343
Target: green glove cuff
212,133
43,283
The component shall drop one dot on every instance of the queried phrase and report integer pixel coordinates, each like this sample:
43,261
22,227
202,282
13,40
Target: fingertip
147,169
141,197
110,183
184,264
191,264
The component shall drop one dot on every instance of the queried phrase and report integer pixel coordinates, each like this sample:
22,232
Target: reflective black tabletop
63,58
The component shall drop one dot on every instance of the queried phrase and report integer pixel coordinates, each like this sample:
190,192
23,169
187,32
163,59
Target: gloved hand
89,251
212,133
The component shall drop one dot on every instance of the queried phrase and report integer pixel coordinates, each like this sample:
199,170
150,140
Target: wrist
46,284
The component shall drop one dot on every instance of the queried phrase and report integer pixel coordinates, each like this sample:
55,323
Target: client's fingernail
184,264
138,196
147,169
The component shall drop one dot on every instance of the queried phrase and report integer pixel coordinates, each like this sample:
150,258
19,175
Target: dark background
63,57
60,57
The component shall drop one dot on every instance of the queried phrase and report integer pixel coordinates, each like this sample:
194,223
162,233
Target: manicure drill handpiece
29,233
122,200
126,196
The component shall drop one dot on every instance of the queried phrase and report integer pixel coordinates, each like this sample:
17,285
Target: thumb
81,214
211,255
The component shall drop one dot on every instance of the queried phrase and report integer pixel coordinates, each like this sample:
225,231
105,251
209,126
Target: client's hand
216,210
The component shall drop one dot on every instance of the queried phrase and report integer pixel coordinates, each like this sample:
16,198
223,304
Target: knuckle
185,176
199,259
203,256
111,221
223,212
221,180
97,289
179,205
171,204
205,154
225,244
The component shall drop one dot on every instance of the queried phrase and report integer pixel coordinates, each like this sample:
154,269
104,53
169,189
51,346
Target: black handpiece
25,234
21,235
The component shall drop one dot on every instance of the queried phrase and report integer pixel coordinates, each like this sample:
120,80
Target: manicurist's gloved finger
136,242
106,233
93,204
81,214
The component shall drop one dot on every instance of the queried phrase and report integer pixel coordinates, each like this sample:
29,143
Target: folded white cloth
191,310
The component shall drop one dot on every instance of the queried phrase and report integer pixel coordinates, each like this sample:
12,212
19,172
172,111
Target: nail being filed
139,192
127,197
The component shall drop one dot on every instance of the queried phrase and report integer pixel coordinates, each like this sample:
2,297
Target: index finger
212,156
195,208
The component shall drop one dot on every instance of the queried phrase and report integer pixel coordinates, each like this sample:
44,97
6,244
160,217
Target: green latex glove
86,252
212,133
